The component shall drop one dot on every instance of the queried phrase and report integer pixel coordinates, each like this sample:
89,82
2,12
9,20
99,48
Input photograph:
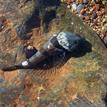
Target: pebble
87,18
99,13
83,11
73,1
69,1
95,22
104,21
85,1
1,25
104,2
96,1
74,6
97,7
79,1
104,28
62,1
91,10
80,7
94,15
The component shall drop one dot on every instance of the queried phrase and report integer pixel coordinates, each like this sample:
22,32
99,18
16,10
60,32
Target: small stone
92,1
79,1
1,25
104,21
62,1
69,2
91,24
68,6
104,28
72,23
73,0
38,98
99,21
83,11
95,22
91,10
96,1
99,13
97,7
94,15
80,7
85,1
74,6
87,18
104,2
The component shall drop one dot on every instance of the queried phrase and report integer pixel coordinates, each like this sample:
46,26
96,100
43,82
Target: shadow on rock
44,11
58,59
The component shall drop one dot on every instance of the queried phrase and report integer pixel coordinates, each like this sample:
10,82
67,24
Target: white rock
68,6
74,6
24,63
62,1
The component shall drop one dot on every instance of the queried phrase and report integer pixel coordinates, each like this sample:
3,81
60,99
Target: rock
1,25
62,1
74,6
83,11
86,32
104,21
97,7
69,1
87,18
79,1
85,1
94,15
73,1
104,2
78,78
80,7
96,1
68,6
104,28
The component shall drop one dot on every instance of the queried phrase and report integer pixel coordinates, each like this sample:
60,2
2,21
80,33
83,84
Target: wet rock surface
75,81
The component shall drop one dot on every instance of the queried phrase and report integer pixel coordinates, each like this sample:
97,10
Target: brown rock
87,18
68,1
104,28
79,1
83,11
96,7
104,20
105,10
